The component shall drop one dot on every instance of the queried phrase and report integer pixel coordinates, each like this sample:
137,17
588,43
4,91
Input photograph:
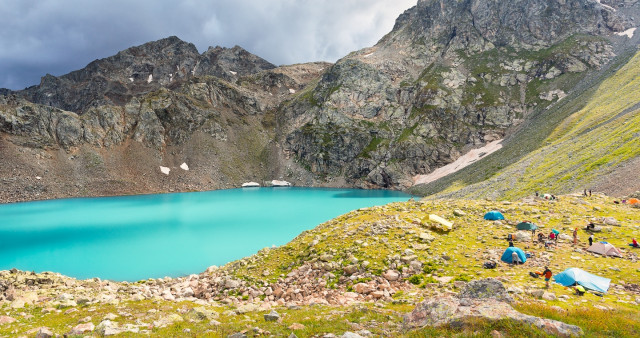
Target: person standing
575,236
514,258
547,275
591,240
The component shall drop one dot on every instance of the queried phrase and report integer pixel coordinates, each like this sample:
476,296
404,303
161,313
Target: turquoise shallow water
151,236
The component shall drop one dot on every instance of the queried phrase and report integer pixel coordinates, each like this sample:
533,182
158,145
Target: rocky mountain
450,76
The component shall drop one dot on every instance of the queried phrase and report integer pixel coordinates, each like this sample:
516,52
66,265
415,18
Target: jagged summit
115,80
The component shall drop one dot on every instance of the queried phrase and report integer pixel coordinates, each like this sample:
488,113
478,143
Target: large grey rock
488,288
272,316
451,311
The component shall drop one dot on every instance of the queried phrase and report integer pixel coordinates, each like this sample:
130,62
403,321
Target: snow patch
233,73
250,184
150,78
165,170
367,55
463,161
606,6
629,32
131,79
184,166
292,91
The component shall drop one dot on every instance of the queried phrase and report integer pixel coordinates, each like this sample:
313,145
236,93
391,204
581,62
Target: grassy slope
466,245
551,133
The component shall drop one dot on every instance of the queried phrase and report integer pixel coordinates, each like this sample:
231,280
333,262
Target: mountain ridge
450,76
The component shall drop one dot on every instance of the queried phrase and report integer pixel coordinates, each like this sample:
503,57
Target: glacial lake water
151,236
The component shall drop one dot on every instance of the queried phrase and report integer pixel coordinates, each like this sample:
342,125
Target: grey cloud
59,36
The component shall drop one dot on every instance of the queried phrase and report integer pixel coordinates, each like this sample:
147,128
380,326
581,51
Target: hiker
552,236
580,290
510,237
591,240
589,192
510,244
591,226
575,236
585,193
514,258
540,237
634,243
537,194
533,235
547,275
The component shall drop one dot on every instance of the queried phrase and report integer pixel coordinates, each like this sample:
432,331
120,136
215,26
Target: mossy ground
465,246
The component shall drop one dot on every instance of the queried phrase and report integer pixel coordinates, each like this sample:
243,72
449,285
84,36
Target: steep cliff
451,75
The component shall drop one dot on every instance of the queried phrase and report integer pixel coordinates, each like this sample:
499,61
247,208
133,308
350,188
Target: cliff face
450,76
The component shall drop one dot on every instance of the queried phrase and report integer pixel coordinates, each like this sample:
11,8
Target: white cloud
58,36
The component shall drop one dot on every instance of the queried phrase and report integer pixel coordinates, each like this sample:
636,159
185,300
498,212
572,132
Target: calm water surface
150,236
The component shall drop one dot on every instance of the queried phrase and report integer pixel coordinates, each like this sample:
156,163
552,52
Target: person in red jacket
547,275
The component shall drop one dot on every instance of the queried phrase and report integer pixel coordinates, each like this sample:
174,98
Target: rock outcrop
476,302
449,77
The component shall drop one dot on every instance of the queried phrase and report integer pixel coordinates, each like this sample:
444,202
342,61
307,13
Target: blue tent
493,215
572,276
507,255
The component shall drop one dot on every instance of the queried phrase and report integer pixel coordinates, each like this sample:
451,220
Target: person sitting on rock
634,243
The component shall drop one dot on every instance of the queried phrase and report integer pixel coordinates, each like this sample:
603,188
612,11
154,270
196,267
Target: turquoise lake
150,236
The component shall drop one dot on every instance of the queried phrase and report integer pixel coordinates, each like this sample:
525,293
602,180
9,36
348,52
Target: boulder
391,275
523,236
202,313
108,328
363,288
44,332
426,237
486,288
6,320
450,311
82,328
271,316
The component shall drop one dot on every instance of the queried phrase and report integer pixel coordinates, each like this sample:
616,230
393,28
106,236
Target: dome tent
493,216
526,226
508,255
605,249
589,281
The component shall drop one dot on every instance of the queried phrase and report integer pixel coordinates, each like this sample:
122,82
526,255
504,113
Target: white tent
605,249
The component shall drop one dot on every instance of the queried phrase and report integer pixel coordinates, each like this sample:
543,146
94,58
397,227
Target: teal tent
573,276
507,256
526,226
493,216
556,232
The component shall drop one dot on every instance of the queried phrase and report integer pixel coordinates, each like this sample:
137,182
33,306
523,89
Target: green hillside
564,149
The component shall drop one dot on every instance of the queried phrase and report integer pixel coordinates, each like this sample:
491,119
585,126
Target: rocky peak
517,23
230,63
138,70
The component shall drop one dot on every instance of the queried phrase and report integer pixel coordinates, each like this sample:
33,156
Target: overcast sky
59,36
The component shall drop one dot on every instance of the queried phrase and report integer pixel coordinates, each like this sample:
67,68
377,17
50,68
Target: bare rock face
138,70
380,116
477,301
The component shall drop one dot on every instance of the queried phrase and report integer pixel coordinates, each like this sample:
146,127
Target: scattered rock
272,316
296,326
82,328
6,320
